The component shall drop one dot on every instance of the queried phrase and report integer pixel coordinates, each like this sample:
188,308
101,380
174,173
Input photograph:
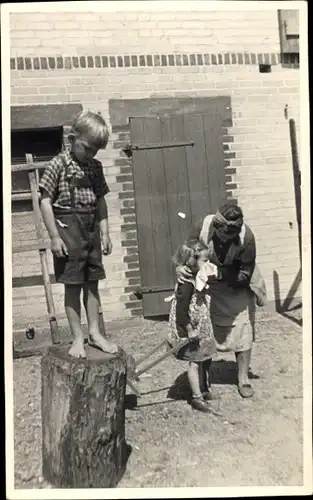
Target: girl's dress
191,306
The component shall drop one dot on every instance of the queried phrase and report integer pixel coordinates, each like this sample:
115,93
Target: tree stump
83,418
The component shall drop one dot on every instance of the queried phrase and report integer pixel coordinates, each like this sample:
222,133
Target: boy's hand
106,244
58,247
183,274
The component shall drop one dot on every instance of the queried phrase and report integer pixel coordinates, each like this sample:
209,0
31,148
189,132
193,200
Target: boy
75,214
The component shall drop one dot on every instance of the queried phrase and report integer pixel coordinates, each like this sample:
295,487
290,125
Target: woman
231,246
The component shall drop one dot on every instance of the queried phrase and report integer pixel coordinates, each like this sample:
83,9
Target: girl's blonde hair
187,252
93,126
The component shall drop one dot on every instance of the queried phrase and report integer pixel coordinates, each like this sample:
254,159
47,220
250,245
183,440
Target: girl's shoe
200,404
208,396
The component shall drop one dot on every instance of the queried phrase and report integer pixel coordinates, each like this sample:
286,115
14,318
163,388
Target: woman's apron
232,310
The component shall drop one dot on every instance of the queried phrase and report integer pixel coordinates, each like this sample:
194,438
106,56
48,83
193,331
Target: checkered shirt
55,182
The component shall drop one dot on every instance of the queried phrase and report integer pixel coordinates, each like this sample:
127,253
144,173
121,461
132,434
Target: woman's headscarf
227,225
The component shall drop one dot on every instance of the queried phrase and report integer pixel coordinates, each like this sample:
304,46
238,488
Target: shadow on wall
291,304
288,307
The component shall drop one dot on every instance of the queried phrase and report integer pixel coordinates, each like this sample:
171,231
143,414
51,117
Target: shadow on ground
291,307
223,372
293,314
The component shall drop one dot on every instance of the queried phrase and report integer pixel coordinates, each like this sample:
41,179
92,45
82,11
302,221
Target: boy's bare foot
77,349
96,340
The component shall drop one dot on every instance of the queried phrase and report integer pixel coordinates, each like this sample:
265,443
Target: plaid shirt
55,182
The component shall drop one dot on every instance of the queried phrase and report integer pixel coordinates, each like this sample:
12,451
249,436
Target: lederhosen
79,229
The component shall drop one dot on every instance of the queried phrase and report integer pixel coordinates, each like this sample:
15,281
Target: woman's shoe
245,390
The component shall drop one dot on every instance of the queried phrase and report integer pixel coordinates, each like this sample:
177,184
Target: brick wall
93,58
82,33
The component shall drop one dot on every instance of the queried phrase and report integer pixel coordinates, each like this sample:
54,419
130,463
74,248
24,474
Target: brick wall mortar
156,31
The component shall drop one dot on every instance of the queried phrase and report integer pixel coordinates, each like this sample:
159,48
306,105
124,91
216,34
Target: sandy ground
256,442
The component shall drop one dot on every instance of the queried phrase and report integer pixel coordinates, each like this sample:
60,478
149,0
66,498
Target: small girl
190,317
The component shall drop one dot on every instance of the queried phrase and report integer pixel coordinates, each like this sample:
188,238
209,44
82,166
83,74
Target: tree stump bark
83,418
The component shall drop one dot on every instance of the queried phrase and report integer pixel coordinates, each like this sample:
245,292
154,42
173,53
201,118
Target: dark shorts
81,235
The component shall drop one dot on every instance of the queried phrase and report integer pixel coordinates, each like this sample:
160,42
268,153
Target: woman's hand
183,274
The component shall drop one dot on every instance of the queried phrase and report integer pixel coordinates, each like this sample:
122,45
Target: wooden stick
29,166
156,361
148,354
143,358
164,356
22,196
36,245
101,321
43,254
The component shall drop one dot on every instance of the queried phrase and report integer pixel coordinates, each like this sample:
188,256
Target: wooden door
178,167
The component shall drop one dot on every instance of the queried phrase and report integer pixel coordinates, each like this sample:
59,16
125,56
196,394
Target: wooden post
101,321
42,252
83,418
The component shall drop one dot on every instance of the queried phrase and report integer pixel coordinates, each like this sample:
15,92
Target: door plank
158,204
176,179
155,305
198,173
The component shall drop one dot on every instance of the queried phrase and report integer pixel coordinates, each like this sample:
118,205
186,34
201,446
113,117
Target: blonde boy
75,214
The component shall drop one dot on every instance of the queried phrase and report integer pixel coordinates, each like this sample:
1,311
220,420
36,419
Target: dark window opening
43,144
265,68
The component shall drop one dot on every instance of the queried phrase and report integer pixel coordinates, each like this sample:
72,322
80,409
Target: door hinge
161,145
156,288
